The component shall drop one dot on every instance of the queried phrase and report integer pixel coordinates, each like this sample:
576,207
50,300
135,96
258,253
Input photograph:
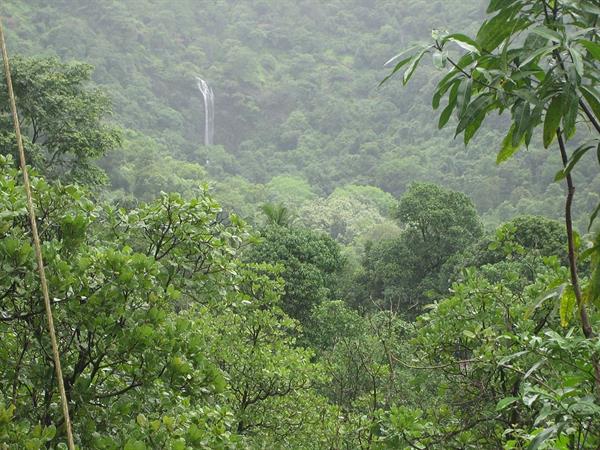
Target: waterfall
209,110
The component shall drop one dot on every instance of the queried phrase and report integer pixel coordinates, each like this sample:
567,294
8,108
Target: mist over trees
295,94
370,255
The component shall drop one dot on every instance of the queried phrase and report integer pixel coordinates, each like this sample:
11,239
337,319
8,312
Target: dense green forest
391,242
297,103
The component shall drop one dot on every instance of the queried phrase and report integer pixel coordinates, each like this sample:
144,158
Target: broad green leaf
577,60
49,432
466,60
575,157
397,67
463,41
592,47
474,112
495,5
464,95
592,98
508,149
469,334
541,437
538,54
541,301
533,42
504,55
533,368
502,404
521,121
590,7
447,112
495,30
552,120
446,83
570,110
530,398
473,127
141,420
547,33
413,65
535,119
567,303
402,53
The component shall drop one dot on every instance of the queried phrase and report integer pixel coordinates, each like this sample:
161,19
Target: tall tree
438,223
309,262
64,121
539,61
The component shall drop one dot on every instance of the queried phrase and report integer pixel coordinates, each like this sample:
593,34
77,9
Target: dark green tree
521,239
438,224
309,262
64,121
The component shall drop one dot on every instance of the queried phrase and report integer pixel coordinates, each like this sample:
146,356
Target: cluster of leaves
63,121
539,61
404,271
536,60
167,339
310,264
496,363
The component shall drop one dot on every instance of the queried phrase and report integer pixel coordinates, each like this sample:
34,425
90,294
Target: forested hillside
296,95
370,255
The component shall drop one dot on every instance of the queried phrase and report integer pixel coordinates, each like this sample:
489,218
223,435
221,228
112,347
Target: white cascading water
209,110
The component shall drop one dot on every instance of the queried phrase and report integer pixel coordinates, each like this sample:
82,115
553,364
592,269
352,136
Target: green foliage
276,214
180,328
290,190
62,119
309,261
403,272
369,195
435,214
500,357
296,93
266,372
535,60
520,241
345,218
157,320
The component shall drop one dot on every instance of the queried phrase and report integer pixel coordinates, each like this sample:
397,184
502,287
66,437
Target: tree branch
590,115
583,314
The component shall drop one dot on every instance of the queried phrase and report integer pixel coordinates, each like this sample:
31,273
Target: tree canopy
64,121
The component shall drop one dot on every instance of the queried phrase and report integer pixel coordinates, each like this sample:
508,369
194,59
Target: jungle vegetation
398,256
